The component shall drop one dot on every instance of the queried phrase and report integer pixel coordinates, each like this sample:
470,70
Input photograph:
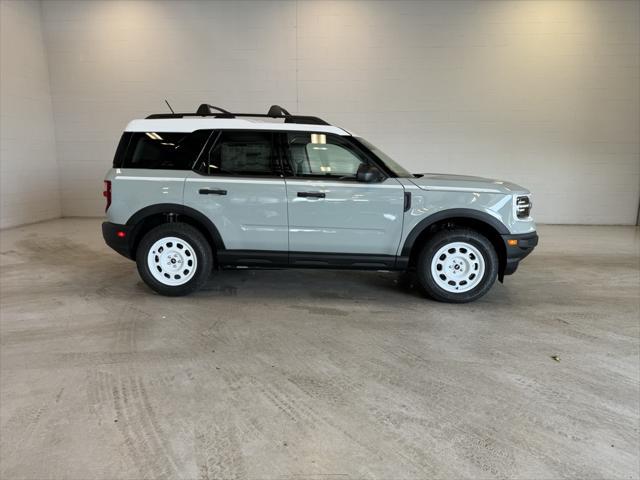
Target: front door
238,185
329,210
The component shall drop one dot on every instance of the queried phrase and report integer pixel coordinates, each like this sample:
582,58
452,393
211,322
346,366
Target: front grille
523,206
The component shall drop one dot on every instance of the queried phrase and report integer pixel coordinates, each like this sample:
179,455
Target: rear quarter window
162,150
122,149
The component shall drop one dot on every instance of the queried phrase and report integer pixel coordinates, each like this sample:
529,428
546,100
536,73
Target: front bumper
118,237
517,247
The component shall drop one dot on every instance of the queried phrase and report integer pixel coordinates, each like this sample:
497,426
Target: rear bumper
516,253
118,237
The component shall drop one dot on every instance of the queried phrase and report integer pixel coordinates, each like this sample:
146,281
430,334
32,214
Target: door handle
211,191
311,194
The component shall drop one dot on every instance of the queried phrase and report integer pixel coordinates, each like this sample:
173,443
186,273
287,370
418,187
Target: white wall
29,189
544,93
114,61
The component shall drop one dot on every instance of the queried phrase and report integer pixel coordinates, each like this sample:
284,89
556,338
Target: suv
192,192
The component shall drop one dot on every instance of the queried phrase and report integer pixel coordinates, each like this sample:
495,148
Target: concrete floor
317,374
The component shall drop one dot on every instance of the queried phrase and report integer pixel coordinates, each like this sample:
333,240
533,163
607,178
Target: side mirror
368,174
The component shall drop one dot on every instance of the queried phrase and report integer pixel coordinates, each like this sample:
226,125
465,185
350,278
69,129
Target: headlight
522,206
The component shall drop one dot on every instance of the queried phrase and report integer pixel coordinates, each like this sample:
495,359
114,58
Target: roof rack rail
275,111
205,110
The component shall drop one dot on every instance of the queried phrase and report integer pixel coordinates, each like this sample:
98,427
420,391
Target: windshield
391,164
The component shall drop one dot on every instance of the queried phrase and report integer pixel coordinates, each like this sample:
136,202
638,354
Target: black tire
439,240
198,243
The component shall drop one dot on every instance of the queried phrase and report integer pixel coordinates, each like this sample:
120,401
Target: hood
441,181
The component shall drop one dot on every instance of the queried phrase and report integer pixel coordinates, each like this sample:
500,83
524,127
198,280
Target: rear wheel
174,259
457,266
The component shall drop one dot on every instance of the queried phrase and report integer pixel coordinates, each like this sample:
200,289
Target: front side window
237,152
391,164
164,150
323,155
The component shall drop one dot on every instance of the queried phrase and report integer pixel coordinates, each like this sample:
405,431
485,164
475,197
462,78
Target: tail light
107,193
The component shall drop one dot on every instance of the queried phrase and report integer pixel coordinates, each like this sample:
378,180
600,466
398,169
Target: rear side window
164,150
241,153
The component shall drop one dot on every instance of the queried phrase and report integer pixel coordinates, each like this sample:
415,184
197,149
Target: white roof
189,124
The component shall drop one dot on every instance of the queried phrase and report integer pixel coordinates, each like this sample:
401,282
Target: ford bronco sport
192,192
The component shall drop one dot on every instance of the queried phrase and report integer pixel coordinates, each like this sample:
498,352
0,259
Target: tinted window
121,150
165,150
240,153
320,154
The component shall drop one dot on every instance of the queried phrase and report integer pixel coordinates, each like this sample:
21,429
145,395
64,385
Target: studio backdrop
545,94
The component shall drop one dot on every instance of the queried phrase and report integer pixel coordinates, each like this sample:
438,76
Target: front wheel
174,259
457,266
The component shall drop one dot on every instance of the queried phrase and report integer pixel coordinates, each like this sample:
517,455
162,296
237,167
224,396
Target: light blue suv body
300,193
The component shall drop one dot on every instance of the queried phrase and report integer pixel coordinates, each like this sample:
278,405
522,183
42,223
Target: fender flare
452,213
178,209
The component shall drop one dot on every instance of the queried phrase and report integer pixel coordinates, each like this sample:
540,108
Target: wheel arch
481,222
150,217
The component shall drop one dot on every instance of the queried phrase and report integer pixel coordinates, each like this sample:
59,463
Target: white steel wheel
457,267
172,261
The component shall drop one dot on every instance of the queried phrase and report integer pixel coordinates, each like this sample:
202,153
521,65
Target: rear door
329,210
238,184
